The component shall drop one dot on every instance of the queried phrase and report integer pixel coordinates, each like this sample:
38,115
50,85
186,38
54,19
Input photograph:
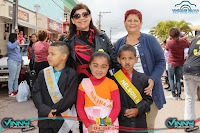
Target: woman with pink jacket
41,51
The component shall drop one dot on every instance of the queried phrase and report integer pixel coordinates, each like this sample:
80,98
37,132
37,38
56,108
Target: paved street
9,107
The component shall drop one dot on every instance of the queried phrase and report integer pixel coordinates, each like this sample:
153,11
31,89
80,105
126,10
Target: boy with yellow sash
55,90
134,102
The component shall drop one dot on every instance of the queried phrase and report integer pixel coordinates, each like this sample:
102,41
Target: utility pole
100,19
111,31
37,8
36,14
15,16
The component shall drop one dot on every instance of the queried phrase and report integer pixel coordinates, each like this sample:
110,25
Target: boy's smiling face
56,58
127,60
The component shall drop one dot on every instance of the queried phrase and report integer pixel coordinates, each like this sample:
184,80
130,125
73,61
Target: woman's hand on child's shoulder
148,90
130,113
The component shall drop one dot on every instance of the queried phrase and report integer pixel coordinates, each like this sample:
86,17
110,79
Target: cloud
153,11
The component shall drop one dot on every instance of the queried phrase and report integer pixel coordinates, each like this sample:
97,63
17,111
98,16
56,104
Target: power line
58,5
63,1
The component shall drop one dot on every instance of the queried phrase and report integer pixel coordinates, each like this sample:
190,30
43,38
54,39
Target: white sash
56,96
103,106
91,93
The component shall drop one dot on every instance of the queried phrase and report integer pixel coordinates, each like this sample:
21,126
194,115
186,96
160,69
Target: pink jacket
41,51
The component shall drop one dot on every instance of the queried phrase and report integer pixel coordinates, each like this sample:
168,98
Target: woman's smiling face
83,22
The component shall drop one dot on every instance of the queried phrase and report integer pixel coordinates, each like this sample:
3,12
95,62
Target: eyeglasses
84,14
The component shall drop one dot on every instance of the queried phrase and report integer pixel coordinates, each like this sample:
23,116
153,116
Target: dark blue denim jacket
153,63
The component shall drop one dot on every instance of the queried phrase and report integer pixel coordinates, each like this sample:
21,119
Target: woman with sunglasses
84,39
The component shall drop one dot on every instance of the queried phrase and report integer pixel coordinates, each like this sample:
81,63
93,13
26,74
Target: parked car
4,72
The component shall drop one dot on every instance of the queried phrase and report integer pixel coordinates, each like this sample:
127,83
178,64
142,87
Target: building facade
52,15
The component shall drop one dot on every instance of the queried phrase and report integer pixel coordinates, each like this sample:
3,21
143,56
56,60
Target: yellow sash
128,87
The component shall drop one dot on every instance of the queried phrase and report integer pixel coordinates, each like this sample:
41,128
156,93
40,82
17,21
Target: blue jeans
14,70
177,71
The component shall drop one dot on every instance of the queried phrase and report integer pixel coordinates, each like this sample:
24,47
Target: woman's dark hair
127,47
72,27
100,54
31,43
62,37
12,37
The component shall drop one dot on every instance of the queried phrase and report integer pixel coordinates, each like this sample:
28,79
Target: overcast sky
153,11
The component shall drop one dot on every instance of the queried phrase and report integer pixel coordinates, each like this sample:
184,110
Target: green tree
162,28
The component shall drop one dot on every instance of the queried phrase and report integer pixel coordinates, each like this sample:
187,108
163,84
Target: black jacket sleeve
121,114
69,97
144,105
43,109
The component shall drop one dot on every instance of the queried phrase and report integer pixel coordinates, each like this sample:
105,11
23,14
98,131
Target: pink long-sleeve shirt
41,51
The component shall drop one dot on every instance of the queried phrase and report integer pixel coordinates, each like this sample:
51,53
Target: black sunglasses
84,14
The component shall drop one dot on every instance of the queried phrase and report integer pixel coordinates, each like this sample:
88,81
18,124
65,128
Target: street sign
37,7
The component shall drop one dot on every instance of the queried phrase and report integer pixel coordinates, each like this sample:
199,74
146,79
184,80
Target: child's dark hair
100,54
64,48
127,47
174,32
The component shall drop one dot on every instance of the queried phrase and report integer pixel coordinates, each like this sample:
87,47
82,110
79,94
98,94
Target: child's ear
65,56
118,60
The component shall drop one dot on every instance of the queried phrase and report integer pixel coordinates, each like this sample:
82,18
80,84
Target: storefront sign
21,14
53,25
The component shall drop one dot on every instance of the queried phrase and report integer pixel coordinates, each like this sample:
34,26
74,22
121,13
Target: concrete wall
41,21
2,41
4,11
48,7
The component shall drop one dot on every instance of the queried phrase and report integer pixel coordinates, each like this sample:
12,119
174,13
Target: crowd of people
84,74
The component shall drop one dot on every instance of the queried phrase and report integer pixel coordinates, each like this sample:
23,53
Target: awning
28,25
195,27
51,32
